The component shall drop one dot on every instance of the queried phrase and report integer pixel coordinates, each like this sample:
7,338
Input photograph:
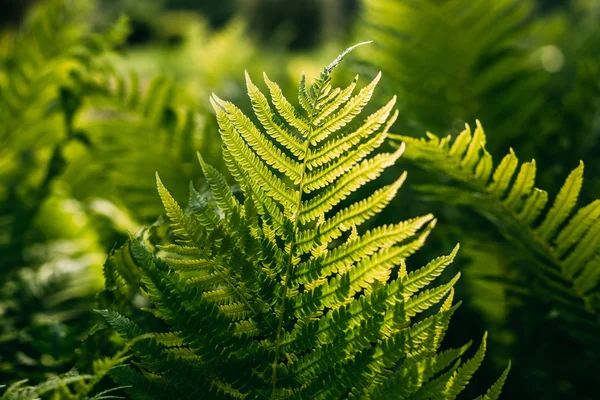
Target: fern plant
277,295
564,243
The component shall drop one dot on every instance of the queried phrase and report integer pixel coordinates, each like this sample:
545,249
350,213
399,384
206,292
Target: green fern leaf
564,203
565,246
264,294
461,376
494,392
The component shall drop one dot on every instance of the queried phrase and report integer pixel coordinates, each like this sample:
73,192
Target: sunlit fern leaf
494,392
264,290
446,60
565,243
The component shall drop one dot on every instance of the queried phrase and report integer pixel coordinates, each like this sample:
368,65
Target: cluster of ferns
276,280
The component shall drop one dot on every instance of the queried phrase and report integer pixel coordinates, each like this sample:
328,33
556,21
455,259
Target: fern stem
288,271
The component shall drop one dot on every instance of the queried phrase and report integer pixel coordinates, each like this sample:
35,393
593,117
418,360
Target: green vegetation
283,261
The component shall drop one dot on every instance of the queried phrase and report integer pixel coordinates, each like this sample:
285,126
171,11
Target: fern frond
494,391
356,249
262,299
267,151
353,179
461,376
286,109
564,244
270,122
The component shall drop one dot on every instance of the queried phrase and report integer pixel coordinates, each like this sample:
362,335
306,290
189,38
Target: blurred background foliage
95,96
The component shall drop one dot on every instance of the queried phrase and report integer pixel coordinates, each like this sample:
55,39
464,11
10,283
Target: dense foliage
288,273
